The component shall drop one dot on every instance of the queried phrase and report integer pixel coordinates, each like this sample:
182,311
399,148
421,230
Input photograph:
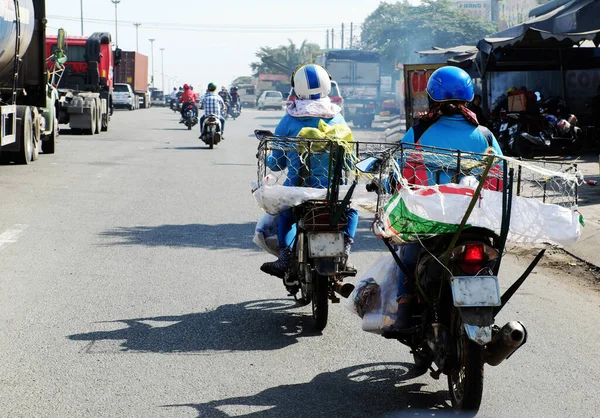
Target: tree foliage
399,29
283,59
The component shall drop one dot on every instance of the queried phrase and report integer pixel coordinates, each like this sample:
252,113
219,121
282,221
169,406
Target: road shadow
367,390
268,117
199,147
213,237
260,325
184,129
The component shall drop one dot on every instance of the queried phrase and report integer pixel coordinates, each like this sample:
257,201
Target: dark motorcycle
190,115
318,265
211,131
235,111
174,104
456,285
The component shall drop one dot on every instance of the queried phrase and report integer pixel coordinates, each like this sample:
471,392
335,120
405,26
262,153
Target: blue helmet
450,83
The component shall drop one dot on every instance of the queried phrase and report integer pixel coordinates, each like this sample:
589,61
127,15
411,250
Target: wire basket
424,191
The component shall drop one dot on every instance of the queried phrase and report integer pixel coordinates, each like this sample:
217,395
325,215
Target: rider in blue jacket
450,125
312,85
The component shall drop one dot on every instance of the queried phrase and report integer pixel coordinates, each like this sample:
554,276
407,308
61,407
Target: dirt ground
558,261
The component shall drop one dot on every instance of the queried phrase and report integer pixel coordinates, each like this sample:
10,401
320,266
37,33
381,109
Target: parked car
335,95
272,99
123,96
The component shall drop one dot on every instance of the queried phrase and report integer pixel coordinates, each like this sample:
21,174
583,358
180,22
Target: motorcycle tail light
473,257
337,99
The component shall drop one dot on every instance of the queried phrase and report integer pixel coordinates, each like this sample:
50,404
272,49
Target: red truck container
133,70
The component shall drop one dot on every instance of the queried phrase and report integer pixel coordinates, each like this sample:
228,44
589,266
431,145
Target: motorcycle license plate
326,244
475,291
503,127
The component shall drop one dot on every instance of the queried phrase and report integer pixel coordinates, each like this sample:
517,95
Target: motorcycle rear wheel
320,301
465,382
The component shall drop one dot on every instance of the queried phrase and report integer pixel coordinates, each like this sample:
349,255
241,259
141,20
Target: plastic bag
275,199
265,234
374,296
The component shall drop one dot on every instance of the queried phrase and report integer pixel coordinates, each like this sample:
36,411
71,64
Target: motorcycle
235,111
190,115
174,104
455,280
526,135
318,265
211,131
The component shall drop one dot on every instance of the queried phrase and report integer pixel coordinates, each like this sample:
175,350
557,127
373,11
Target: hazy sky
208,40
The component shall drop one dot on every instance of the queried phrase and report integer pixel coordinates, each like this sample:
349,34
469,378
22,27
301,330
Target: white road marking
10,235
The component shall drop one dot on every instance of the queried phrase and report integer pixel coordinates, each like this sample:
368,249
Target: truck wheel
37,134
92,128
24,136
49,145
98,117
105,122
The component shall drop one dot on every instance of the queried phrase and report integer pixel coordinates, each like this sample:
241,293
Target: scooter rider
225,96
212,105
312,84
450,125
235,99
173,96
188,98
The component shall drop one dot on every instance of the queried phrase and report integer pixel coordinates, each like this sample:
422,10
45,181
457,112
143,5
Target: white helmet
311,82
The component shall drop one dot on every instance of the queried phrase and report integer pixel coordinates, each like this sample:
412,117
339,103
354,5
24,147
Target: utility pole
137,36
152,48
81,5
116,2
327,39
332,38
342,36
162,67
351,33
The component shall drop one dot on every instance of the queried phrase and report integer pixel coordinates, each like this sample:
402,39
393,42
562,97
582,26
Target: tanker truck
27,100
82,72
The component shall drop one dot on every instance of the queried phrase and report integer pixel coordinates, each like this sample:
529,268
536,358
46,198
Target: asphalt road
131,288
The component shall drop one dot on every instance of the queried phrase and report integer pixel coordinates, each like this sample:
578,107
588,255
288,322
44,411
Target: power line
203,27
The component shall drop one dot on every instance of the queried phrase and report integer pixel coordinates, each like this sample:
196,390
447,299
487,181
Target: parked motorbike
190,115
318,265
211,131
456,285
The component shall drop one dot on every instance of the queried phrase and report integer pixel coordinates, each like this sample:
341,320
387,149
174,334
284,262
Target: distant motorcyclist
448,125
312,84
188,98
224,94
235,99
212,104
173,97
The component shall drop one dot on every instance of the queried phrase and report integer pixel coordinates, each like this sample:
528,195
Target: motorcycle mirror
370,165
260,134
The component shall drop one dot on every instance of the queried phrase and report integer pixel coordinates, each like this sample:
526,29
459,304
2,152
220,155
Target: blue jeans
222,123
409,254
286,228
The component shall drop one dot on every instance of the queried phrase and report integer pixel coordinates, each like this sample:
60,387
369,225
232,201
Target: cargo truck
358,76
133,70
27,104
83,75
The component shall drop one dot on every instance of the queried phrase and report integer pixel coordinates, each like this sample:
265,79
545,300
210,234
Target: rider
174,96
235,99
312,84
188,98
450,125
212,105
225,96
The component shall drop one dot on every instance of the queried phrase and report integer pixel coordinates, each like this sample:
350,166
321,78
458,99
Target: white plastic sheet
265,234
374,296
531,220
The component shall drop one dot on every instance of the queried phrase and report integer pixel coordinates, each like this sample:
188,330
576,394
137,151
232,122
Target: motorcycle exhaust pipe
512,336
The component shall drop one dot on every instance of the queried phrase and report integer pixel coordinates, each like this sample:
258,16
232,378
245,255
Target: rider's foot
344,289
278,267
